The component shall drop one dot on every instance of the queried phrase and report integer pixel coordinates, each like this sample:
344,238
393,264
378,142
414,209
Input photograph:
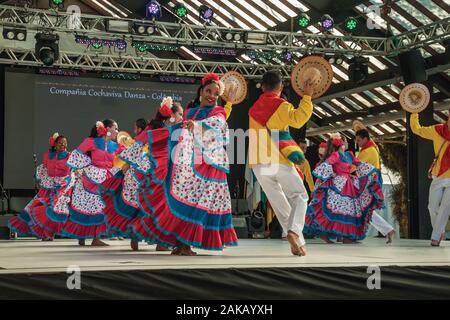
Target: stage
257,269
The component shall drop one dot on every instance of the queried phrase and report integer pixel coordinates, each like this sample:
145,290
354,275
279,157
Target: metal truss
136,64
191,35
426,35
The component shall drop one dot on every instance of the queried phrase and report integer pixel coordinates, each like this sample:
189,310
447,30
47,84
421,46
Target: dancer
123,206
370,153
186,199
439,196
139,126
273,166
51,176
341,206
92,162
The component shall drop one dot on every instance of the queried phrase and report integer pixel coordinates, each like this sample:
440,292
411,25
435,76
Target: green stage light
351,24
180,10
303,21
57,2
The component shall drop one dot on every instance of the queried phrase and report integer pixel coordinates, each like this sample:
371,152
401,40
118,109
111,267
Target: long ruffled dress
184,198
342,203
94,157
52,176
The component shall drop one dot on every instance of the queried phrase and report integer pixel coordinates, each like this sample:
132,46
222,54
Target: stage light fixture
339,61
180,10
230,36
153,9
56,3
327,22
206,13
358,70
303,21
256,38
144,29
15,34
351,24
47,48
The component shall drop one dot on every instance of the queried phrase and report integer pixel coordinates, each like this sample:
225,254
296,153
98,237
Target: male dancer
270,117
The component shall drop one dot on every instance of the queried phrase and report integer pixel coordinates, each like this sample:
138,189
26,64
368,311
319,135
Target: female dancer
123,206
186,198
139,126
92,162
52,176
342,204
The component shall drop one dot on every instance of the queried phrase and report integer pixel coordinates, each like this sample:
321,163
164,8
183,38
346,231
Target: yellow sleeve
308,176
424,132
228,107
286,114
370,155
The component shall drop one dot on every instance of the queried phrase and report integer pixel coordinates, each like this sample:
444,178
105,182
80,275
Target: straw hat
234,79
313,68
414,98
358,125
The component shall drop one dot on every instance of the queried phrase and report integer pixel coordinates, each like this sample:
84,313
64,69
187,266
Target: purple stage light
153,9
327,22
206,13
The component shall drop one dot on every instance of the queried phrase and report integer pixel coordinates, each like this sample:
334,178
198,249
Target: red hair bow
323,145
210,76
101,130
165,111
337,142
51,142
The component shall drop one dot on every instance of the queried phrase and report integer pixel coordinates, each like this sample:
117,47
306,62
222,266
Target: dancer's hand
125,168
308,88
232,92
190,124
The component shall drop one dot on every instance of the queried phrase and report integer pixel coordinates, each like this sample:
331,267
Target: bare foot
295,247
162,248
134,245
82,242
98,243
348,241
176,251
326,239
390,237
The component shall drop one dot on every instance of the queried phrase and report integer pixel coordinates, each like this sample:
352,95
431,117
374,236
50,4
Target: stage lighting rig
47,47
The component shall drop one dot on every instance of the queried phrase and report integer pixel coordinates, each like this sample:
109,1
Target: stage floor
33,256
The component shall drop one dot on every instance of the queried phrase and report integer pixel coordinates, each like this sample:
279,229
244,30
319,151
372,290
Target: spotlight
256,38
206,13
289,56
229,36
121,44
56,3
144,29
358,70
180,10
303,21
351,24
339,60
327,22
15,34
153,9
47,48
332,60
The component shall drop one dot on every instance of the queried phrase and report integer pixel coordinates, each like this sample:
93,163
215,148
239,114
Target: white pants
380,224
439,205
287,195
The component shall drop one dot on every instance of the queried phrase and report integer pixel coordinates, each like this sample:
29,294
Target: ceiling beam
370,121
435,65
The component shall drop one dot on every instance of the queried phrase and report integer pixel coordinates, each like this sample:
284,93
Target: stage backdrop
38,105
